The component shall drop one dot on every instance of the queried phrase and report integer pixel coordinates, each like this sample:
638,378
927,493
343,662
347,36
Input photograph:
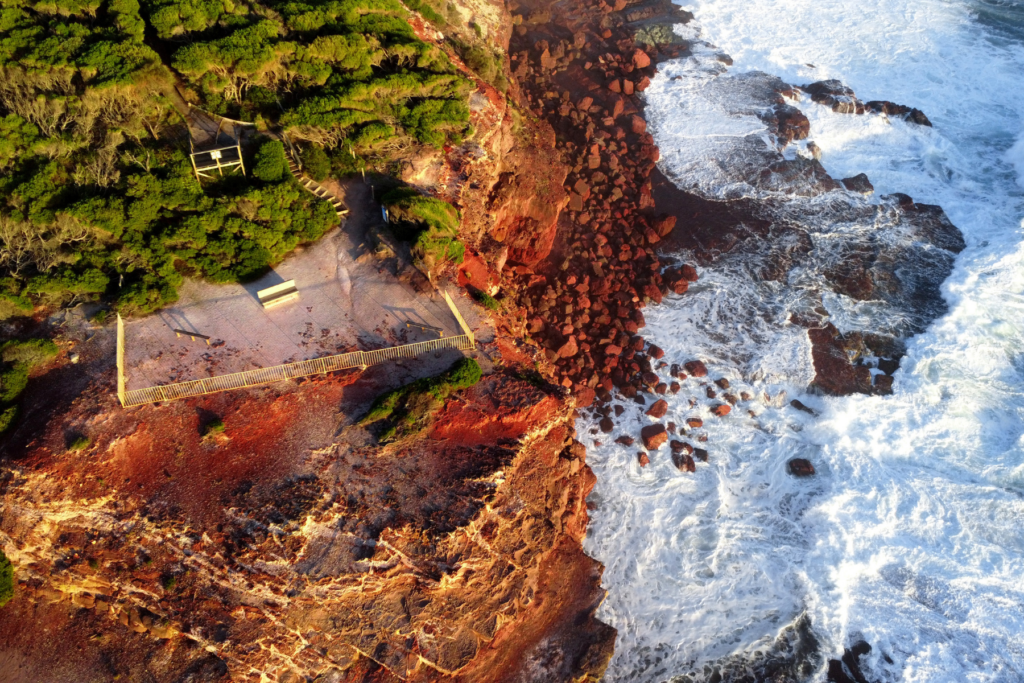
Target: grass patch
7,416
32,352
6,580
486,300
214,426
80,443
17,360
409,408
432,225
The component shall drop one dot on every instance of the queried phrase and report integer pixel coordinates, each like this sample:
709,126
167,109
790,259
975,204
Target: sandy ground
348,299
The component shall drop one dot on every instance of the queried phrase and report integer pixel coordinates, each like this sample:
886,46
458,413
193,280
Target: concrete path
348,300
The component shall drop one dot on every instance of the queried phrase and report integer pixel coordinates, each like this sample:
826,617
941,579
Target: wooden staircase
313,186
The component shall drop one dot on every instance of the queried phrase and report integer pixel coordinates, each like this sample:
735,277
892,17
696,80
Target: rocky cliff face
284,550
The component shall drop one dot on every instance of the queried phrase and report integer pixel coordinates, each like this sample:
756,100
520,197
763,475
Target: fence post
458,316
120,360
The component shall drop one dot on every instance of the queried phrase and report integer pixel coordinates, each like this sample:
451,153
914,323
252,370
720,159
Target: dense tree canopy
97,195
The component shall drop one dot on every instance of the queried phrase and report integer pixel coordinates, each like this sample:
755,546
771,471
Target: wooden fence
252,378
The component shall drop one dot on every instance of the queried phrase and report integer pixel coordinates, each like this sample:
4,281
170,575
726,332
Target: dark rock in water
899,110
606,425
680,447
696,368
888,365
799,467
625,440
800,406
721,410
883,384
658,409
701,454
799,176
722,383
902,200
833,372
917,116
834,94
684,462
694,422
654,436
932,224
619,410
848,669
859,183
643,459
791,124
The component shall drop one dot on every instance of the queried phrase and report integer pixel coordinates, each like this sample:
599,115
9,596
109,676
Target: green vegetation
169,582
31,352
315,162
431,225
409,408
271,162
6,580
214,426
79,443
7,416
97,195
17,360
486,300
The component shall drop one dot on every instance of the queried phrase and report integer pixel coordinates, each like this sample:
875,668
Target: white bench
278,294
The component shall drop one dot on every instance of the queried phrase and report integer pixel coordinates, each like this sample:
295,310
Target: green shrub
271,163
409,407
13,381
6,580
12,305
31,352
432,225
7,417
214,426
487,301
79,443
315,162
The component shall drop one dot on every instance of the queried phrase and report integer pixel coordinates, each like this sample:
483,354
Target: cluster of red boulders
586,312
654,436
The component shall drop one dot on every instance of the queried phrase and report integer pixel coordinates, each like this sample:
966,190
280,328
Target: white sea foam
910,536
1015,156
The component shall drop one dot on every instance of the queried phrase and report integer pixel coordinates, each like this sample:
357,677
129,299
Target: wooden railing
278,373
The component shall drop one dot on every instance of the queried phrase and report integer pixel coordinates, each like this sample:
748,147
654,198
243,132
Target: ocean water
911,535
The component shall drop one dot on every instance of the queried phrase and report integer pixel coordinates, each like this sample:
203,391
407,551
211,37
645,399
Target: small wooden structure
278,294
218,156
193,335
221,159
439,331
